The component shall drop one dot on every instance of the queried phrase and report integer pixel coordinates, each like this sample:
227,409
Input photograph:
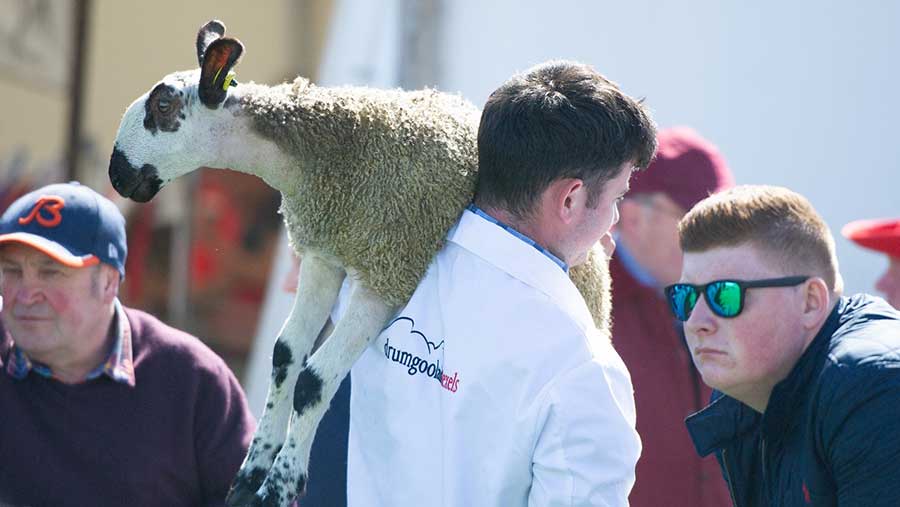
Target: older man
667,387
100,404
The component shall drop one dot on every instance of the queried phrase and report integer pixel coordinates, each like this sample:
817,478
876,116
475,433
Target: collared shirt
119,364
508,228
492,386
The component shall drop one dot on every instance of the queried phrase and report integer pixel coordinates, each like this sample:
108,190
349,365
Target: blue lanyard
478,211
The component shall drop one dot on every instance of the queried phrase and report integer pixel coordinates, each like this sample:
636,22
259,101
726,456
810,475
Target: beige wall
134,44
33,119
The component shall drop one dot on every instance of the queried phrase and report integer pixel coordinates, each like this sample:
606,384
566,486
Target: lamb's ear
208,33
218,59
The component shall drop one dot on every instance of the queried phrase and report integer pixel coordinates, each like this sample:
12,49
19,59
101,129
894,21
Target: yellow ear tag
228,79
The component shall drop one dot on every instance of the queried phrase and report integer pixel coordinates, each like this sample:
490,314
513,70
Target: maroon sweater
174,439
666,390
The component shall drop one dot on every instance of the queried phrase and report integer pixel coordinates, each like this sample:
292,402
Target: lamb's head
166,132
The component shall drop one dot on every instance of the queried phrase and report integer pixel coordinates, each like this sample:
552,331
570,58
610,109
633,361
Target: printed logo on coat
46,211
407,340
806,497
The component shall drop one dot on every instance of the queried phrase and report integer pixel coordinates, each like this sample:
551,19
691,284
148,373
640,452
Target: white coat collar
522,261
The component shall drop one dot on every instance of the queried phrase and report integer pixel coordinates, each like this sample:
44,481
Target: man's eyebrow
48,263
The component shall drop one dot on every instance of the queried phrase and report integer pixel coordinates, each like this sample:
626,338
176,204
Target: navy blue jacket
830,434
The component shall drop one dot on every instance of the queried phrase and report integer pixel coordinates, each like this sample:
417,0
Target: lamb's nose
137,184
123,176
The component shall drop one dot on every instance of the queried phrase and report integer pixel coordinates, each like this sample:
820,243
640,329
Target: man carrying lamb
492,386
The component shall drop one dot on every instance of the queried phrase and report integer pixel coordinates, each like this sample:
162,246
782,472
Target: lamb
371,181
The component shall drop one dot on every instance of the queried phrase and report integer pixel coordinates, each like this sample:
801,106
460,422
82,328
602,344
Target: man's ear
567,196
109,282
816,302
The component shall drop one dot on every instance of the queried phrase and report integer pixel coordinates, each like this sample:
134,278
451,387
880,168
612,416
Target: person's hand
608,244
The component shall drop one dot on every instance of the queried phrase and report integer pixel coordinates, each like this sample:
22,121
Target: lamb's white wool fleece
407,160
381,176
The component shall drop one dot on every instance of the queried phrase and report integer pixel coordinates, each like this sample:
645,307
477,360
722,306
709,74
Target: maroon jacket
667,389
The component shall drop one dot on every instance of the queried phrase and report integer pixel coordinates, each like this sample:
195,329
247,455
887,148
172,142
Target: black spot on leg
282,358
281,355
308,390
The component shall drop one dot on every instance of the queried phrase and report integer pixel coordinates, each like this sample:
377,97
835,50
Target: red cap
882,235
687,168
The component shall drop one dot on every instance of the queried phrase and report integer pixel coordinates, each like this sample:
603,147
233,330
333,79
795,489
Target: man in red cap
667,387
882,236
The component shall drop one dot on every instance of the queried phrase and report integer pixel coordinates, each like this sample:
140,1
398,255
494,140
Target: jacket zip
728,478
762,460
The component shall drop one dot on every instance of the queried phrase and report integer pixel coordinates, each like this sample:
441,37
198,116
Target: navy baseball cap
69,222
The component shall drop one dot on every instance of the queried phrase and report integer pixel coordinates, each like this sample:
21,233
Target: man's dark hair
557,120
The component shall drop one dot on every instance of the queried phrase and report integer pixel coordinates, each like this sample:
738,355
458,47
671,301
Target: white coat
492,387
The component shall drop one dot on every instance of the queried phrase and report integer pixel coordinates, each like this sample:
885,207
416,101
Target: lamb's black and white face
174,128
156,142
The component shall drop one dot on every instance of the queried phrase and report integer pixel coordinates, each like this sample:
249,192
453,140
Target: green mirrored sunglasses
724,297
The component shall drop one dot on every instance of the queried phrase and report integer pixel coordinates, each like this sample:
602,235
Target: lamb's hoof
277,494
244,488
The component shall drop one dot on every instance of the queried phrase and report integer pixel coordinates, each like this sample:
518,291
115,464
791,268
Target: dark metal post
81,17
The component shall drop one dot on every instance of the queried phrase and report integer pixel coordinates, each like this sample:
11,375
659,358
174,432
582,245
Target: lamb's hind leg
316,293
365,317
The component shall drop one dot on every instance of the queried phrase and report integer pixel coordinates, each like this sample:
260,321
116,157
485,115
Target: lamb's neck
238,147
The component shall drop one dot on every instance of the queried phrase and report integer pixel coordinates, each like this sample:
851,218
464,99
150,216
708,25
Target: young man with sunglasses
807,381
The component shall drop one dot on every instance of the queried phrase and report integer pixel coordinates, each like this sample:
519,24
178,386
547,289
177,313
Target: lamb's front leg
366,316
316,293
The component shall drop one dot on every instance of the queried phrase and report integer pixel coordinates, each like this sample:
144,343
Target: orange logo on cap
52,204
